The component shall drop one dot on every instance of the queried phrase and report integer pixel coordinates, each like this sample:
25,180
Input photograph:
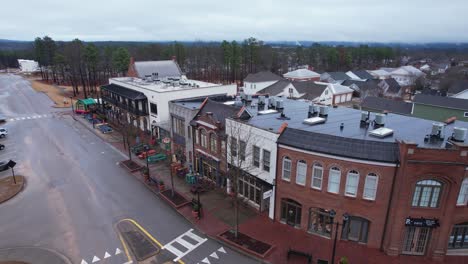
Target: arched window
286,169
213,143
427,193
301,172
463,194
317,176
370,186
203,139
291,212
352,182
334,179
459,236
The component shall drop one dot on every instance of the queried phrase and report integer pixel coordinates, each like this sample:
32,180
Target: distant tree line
88,65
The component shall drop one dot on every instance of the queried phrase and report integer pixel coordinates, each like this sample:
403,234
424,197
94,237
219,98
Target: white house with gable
255,82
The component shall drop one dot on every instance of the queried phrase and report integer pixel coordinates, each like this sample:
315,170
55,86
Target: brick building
209,138
398,184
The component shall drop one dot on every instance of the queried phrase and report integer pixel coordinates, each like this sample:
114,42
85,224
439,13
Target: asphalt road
76,193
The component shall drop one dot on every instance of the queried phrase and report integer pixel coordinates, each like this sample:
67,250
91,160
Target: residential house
210,137
440,108
391,88
380,74
462,95
384,105
363,89
406,75
360,75
334,77
324,93
302,75
255,82
283,88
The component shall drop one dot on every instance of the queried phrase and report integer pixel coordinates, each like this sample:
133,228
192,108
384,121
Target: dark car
3,165
2,147
2,119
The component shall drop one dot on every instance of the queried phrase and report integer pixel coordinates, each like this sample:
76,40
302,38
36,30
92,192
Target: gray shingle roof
220,111
311,89
166,68
458,86
340,146
384,104
441,101
275,88
393,86
263,76
125,92
338,76
363,74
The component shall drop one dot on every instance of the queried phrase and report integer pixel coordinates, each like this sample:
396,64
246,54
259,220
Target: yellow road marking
147,234
125,247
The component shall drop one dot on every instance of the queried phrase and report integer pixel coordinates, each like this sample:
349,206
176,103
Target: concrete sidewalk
33,255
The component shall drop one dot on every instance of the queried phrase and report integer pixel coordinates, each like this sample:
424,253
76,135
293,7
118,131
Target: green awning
88,101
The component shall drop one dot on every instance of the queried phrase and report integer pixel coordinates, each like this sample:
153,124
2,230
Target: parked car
3,132
2,119
2,147
3,165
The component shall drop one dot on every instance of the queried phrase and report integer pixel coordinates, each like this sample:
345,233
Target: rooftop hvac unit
238,98
459,134
312,109
279,104
364,116
261,100
323,110
438,130
242,95
148,78
272,102
379,119
238,103
248,97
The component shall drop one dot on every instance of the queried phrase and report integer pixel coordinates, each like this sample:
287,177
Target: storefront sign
267,194
422,222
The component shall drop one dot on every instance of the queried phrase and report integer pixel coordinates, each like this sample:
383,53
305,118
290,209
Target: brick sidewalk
218,216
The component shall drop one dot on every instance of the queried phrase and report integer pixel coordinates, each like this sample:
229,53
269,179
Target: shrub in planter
195,210
344,260
161,186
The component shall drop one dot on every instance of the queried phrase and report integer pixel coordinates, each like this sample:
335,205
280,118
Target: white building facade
257,186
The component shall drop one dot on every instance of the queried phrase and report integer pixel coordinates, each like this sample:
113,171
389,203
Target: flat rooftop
163,85
406,128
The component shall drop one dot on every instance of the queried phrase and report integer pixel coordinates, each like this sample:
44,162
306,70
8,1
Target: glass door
415,240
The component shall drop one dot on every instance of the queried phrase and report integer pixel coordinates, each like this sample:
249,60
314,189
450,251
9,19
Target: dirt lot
59,94
8,188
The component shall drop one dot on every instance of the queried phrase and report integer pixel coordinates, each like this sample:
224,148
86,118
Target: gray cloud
340,20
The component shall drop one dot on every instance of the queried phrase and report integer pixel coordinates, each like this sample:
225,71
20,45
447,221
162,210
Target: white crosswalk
28,117
184,243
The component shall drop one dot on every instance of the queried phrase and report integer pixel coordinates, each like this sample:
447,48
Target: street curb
215,238
64,258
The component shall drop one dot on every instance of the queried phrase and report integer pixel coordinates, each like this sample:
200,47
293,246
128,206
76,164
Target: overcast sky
315,20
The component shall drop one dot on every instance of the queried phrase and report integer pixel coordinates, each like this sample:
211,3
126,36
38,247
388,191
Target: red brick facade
388,212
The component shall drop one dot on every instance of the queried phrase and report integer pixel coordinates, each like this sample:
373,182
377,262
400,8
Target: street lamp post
345,219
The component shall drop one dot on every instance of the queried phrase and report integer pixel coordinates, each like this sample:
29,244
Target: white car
3,132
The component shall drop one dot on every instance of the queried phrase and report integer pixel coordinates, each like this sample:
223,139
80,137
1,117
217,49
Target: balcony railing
124,106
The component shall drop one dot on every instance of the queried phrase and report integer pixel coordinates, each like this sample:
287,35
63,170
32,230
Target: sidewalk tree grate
247,242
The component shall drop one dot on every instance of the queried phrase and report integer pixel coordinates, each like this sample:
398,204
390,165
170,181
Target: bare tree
239,158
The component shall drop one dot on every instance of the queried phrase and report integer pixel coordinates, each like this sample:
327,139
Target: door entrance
415,240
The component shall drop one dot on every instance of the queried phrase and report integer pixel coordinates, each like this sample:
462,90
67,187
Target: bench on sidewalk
301,254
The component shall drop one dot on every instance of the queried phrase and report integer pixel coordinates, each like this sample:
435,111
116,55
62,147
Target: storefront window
291,212
320,222
355,229
249,188
459,236
415,240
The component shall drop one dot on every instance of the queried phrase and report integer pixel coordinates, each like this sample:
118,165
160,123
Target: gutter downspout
390,201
